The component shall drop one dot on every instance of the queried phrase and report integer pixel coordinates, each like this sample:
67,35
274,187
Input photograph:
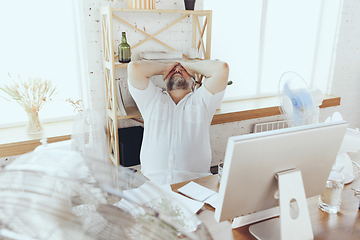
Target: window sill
257,108
15,141
243,109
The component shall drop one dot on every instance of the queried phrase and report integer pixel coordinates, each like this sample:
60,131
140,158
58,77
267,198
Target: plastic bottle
330,199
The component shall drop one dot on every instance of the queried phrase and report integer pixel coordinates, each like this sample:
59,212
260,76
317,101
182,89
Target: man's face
178,78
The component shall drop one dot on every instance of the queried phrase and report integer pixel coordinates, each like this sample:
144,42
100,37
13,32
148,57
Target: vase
189,4
34,124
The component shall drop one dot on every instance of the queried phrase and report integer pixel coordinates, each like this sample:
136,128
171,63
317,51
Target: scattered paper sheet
212,200
200,193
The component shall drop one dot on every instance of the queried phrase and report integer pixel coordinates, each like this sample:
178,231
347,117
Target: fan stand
287,226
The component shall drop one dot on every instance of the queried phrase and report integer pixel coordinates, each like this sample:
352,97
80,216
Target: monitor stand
255,217
288,226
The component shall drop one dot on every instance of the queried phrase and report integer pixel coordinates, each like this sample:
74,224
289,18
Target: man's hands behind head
178,68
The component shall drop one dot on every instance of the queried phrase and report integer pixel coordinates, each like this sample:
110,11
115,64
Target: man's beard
177,82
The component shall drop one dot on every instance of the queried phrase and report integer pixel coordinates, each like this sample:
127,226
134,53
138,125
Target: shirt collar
182,100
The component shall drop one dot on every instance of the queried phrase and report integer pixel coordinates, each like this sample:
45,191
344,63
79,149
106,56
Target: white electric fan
56,194
299,104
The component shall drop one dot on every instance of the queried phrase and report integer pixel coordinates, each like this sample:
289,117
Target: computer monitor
252,161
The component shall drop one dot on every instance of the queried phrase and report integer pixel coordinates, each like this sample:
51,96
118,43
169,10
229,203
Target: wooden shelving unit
110,63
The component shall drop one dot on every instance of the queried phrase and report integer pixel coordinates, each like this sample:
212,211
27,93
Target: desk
344,225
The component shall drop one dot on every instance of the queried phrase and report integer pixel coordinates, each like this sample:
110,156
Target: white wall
346,83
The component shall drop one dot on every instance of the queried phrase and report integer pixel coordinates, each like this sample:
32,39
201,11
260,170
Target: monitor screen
248,183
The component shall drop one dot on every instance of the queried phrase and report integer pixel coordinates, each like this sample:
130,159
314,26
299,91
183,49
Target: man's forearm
207,68
139,72
216,71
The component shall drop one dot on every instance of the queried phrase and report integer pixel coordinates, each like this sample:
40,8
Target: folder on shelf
119,100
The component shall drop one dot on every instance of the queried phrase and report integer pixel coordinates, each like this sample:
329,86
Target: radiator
268,126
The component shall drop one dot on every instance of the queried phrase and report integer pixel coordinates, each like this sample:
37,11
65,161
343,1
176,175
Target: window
40,39
261,40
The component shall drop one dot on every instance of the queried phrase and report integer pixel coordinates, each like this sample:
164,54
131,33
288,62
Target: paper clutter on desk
151,194
200,193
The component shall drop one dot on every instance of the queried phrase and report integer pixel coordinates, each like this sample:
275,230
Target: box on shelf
141,4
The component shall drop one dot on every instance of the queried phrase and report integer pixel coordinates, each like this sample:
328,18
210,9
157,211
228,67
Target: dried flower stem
32,94
77,105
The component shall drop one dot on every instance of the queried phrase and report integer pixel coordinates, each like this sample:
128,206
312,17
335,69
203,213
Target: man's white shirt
176,140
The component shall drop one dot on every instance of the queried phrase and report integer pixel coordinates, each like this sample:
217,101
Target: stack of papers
200,193
161,55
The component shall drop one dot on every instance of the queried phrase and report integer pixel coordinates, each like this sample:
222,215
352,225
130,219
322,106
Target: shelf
132,112
124,65
159,11
121,65
244,109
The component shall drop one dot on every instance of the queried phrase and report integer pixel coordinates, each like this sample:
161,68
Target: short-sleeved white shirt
176,141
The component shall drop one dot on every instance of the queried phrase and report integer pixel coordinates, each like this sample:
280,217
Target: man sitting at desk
176,141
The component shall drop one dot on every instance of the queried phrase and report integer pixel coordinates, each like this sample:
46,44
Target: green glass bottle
124,50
